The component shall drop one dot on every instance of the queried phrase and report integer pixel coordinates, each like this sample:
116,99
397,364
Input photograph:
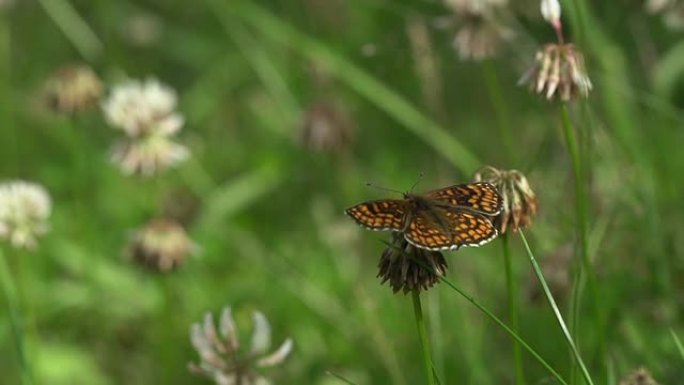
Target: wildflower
640,376
220,355
24,210
162,244
408,267
326,127
71,89
519,201
145,111
558,70
480,34
480,38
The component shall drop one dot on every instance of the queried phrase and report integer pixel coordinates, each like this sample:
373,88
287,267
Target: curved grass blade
356,78
556,311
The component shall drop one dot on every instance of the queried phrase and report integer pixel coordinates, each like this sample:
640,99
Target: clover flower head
162,245
480,34
221,358
558,71
72,89
409,268
519,201
480,37
24,211
640,376
145,111
326,127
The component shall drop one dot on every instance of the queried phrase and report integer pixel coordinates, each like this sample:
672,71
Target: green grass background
269,214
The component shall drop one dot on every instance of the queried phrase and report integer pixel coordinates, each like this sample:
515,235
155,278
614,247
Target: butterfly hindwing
385,214
426,232
443,229
470,229
480,196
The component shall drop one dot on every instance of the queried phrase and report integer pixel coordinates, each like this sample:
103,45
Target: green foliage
266,212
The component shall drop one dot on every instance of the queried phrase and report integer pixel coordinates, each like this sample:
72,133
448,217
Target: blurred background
289,108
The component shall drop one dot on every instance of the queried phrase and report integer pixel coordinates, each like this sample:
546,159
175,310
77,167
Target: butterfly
443,219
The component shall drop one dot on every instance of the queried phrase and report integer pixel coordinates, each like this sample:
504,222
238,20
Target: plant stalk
508,330
512,291
422,335
556,311
16,321
500,107
585,273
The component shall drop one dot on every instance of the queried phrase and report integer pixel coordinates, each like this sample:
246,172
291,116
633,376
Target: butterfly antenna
420,177
384,188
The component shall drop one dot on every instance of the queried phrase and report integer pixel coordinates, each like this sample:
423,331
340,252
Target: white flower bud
551,11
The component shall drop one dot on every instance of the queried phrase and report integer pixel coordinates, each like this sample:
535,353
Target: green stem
556,311
500,107
422,335
508,330
678,343
16,321
585,274
339,377
512,290
12,158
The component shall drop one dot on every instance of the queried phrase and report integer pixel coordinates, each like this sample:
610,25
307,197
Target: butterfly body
442,219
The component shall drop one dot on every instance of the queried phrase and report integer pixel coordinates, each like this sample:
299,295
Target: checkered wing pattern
444,229
481,197
386,214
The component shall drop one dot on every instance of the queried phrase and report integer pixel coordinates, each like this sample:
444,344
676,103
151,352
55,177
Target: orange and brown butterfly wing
448,229
470,229
386,214
480,196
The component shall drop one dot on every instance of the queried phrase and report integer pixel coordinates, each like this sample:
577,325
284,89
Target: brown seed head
519,201
326,127
640,376
410,268
72,89
558,71
162,245
480,37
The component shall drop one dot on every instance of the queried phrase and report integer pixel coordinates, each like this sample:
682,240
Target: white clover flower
218,349
145,111
24,210
551,11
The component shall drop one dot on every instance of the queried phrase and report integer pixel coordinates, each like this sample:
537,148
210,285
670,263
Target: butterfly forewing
442,229
386,214
481,197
